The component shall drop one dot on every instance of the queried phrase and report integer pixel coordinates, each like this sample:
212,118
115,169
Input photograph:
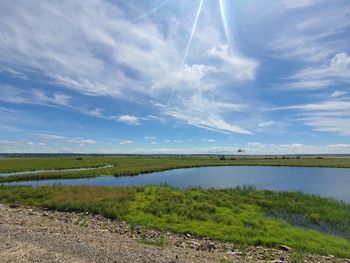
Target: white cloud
239,67
201,112
97,112
330,105
153,117
338,93
338,125
265,124
209,140
98,31
309,84
128,119
111,55
310,38
123,142
81,141
337,69
49,136
33,96
173,141
194,74
325,116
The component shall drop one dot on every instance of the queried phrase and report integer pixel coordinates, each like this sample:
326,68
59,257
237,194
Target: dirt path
33,235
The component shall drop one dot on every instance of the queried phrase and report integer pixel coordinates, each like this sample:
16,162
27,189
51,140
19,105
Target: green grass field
134,165
243,216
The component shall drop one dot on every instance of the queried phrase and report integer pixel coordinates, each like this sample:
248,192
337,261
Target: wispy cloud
201,112
81,141
338,93
265,124
325,116
33,96
209,140
123,142
104,60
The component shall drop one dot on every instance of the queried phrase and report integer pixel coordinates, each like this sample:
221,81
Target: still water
328,182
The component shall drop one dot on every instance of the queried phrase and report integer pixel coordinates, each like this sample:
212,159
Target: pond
327,182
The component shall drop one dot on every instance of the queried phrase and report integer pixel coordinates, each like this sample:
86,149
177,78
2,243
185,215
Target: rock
182,245
195,245
208,246
285,248
235,253
14,205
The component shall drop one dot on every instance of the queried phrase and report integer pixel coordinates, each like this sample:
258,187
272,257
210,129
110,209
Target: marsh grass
134,165
241,215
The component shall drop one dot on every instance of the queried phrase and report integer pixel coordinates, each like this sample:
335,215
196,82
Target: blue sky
208,76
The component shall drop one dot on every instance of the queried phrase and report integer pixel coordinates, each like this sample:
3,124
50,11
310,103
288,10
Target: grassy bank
134,165
243,216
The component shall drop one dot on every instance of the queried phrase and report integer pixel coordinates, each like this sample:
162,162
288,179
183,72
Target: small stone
285,248
234,253
14,205
209,246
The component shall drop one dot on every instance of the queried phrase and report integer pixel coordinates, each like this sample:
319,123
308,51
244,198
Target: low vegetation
133,165
242,215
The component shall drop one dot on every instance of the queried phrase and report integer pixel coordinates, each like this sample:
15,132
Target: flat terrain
240,216
113,224
133,165
33,235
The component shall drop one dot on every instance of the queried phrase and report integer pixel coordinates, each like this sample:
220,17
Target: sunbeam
192,32
228,34
188,46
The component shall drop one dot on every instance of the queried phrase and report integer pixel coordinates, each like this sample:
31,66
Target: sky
175,76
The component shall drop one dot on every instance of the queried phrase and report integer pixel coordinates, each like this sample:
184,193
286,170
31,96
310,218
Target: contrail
152,10
192,33
225,23
188,46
